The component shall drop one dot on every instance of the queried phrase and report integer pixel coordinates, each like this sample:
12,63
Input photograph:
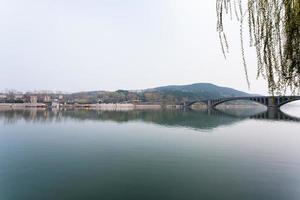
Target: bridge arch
189,104
260,100
293,110
268,101
287,101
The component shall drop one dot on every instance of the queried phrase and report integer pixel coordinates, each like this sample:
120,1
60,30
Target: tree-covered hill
199,91
166,94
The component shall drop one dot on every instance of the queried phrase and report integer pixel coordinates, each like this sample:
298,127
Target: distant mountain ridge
199,91
164,94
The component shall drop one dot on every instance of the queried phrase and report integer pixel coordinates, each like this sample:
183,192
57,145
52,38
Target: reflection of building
33,99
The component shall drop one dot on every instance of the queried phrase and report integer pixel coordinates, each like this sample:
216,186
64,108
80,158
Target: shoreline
109,106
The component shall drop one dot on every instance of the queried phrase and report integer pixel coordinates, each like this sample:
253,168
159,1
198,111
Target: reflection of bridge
268,101
269,114
272,114
205,119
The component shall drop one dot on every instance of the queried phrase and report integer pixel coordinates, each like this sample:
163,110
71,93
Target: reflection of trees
28,115
242,112
204,119
193,119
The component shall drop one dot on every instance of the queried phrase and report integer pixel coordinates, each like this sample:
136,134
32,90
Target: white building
19,96
55,103
33,99
3,96
47,98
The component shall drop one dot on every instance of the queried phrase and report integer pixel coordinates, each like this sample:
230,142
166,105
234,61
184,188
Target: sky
82,45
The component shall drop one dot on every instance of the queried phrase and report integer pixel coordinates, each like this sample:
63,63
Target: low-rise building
47,98
3,98
55,103
19,96
33,99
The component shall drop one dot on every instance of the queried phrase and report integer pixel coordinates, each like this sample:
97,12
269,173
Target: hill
165,94
172,94
198,91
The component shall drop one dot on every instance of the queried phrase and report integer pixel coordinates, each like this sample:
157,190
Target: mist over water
149,154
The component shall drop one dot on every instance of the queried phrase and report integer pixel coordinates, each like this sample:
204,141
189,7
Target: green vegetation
274,28
163,95
175,94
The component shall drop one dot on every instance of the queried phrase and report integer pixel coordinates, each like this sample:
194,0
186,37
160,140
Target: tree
274,29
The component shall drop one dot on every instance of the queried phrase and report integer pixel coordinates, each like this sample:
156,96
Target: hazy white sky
75,45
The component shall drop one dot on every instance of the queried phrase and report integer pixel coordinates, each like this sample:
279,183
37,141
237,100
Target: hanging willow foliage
274,27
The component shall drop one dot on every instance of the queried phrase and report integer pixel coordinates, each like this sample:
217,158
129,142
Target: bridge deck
269,101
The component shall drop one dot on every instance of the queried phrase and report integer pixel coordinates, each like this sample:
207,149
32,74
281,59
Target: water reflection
292,109
201,119
277,115
260,113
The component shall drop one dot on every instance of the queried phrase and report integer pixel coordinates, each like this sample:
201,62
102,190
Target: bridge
273,102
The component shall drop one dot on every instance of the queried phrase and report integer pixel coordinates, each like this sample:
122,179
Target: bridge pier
209,104
272,102
273,111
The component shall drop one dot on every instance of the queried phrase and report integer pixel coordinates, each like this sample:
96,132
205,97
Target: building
55,103
3,98
47,98
19,96
33,99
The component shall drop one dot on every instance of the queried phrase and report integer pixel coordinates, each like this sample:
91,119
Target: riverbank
110,106
114,106
22,105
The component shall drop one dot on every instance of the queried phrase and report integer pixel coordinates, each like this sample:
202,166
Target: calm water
80,154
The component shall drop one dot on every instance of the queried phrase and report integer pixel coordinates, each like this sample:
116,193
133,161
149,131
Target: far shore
109,106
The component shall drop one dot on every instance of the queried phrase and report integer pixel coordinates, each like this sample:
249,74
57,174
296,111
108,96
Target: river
244,154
